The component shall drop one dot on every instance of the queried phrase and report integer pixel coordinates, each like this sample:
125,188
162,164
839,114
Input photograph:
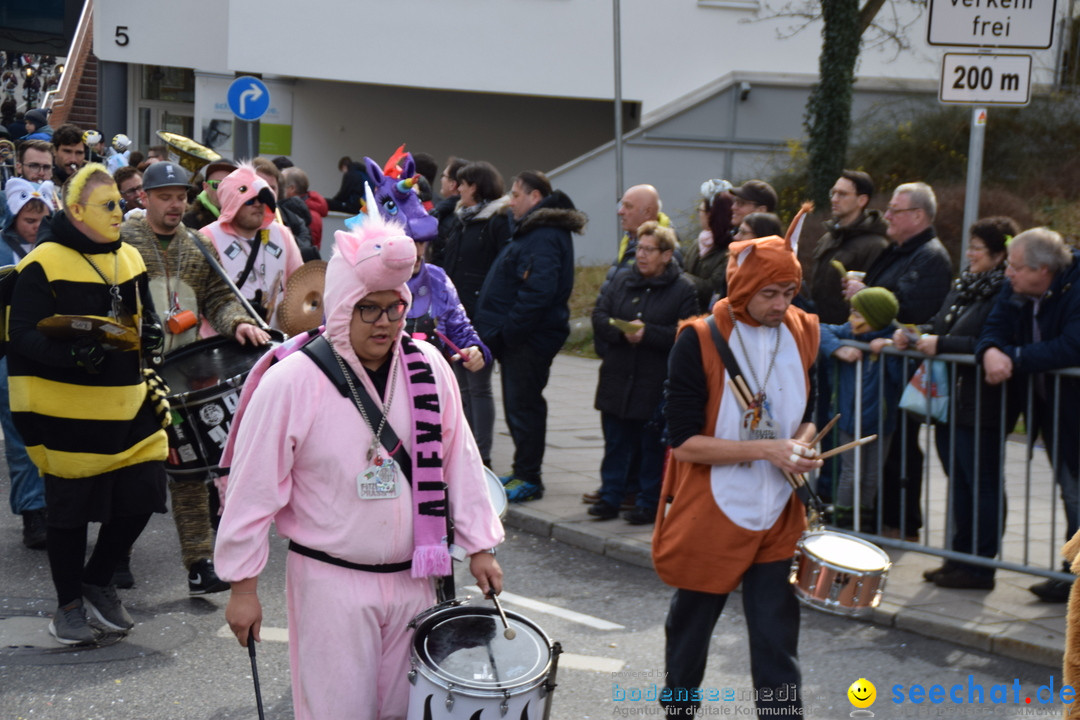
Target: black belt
320,555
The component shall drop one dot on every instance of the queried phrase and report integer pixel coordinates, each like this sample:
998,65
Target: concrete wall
719,136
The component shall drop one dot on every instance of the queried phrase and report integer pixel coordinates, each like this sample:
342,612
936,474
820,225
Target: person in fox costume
727,514
364,511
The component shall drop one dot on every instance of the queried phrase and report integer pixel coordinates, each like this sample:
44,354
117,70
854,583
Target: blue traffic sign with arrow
249,98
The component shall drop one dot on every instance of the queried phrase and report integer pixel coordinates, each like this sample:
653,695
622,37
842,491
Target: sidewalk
1007,621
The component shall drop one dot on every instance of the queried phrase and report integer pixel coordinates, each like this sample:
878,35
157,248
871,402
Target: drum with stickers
839,573
205,378
463,665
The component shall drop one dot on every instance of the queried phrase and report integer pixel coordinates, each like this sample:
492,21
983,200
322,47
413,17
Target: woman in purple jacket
437,315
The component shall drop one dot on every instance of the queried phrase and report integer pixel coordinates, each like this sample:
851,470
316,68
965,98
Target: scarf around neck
431,551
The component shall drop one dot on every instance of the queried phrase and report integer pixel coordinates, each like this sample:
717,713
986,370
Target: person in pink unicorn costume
258,252
362,501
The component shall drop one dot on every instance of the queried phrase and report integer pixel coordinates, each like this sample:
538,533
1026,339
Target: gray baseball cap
164,174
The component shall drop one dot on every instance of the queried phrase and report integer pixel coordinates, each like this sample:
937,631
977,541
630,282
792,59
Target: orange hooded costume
716,521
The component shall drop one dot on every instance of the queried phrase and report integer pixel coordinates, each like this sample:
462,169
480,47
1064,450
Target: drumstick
824,431
848,446
741,382
509,633
454,348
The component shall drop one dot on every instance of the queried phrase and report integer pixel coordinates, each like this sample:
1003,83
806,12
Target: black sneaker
1052,591
34,530
104,604
932,575
70,627
640,516
122,576
202,580
602,511
962,578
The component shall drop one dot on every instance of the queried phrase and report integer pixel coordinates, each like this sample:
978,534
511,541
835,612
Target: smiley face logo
862,693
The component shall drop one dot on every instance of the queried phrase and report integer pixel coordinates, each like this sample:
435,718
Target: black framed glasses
213,184
131,191
36,167
371,313
252,201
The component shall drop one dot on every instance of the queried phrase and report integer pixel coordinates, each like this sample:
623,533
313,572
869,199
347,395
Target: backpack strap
323,356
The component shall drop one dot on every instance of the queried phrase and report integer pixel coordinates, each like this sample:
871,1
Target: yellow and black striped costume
78,424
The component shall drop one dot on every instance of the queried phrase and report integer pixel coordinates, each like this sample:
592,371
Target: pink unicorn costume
297,449
278,254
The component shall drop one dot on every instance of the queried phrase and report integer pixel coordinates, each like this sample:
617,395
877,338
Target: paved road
180,663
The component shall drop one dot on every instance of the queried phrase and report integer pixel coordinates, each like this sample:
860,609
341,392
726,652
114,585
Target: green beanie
877,305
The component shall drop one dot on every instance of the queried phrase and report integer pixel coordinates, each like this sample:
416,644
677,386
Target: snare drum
462,664
838,573
496,493
205,378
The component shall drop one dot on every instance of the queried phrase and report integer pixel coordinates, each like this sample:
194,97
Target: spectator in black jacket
916,267
523,317
651,297
351,192
444,209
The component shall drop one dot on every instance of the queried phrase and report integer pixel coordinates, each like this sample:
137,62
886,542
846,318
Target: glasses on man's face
37,167
213,184
647,249
896,211
131,191
109,206
371,313
253,200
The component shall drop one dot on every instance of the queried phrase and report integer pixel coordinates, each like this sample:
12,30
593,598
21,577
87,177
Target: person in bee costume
91,421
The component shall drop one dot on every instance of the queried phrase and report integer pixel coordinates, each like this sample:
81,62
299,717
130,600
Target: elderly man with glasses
917,269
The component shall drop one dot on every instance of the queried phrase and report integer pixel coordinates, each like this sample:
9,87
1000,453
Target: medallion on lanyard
757,422
379,481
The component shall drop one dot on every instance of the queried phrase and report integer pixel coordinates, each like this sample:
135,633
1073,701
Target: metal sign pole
618,103
974,175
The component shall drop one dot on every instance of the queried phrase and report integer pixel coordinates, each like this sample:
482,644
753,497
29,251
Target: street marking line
592,663
267,633
580,618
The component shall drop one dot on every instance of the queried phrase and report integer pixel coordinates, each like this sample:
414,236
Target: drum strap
722,347
320,353
323,557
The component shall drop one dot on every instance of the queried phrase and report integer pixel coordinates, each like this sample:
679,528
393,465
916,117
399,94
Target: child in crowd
873,311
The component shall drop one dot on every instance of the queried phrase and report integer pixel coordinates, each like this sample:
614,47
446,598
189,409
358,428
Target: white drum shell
838,573
436,696
496,493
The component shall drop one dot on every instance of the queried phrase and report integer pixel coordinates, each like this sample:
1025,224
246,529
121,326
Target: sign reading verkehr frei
992,23
248,97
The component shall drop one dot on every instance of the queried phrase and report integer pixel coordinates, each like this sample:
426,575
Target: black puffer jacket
524,298
632,376
472,247
918,273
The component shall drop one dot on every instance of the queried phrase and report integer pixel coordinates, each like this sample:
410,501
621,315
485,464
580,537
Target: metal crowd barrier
1031,518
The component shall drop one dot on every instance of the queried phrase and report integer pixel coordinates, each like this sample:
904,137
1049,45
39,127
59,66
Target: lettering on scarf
422,373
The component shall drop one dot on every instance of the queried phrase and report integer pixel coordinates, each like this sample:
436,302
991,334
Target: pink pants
349,639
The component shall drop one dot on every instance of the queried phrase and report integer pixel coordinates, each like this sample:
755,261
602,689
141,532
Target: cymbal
106,330
301,308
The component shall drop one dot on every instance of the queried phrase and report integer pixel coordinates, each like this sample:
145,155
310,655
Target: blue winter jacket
873,366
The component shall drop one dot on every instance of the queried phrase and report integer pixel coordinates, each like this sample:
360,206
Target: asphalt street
180,661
